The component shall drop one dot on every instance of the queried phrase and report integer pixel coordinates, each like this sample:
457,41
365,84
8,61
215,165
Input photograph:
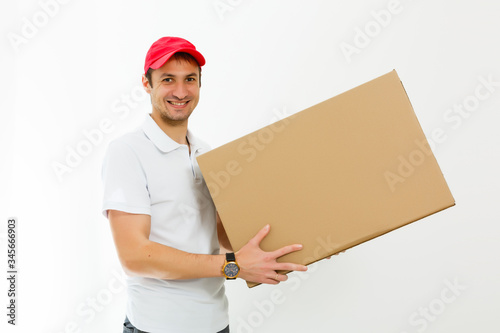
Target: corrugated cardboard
332,176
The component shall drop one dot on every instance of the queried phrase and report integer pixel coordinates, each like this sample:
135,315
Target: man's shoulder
134,140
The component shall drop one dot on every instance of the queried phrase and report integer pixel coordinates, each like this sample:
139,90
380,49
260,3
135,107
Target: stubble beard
165,116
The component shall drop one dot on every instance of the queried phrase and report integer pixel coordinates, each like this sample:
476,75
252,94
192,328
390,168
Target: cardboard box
332,176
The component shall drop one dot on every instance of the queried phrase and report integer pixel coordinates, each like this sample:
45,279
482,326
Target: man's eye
168,79
191,79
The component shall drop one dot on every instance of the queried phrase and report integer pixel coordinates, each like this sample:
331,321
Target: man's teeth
177,103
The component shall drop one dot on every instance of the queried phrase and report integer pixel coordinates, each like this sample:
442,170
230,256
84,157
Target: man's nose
180,91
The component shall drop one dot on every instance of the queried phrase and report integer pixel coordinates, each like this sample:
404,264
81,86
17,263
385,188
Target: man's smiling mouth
178,103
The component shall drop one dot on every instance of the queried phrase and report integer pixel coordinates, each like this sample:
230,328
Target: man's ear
145,84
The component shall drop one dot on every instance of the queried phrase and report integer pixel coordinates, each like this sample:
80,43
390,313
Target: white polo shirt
146,172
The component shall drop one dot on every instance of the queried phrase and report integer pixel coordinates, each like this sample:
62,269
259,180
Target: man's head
172,76
165,48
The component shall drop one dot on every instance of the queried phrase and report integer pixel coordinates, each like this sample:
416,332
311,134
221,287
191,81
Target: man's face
176,90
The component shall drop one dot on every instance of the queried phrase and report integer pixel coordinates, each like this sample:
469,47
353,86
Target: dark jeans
129,328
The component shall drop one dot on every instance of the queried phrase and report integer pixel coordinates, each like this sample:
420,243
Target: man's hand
259,266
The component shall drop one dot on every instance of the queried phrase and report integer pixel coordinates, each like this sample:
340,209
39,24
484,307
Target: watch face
231,270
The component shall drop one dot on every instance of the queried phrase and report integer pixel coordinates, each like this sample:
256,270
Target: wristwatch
230,268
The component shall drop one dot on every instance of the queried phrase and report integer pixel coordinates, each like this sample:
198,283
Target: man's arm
141,257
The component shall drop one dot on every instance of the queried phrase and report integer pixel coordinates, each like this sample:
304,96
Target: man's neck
176,131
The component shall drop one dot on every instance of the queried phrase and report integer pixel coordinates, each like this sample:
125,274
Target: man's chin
173,118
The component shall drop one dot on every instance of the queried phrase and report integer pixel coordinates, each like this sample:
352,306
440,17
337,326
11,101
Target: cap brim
162,60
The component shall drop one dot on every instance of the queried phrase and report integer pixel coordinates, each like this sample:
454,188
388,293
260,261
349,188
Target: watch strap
230,257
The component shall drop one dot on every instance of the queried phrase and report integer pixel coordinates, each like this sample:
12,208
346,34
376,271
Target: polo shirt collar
162,141
194,143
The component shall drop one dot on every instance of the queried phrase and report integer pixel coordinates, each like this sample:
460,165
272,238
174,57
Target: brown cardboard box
332,176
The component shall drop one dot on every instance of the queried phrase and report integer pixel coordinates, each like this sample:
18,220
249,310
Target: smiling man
166,230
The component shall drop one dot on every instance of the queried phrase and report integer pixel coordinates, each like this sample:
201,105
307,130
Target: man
164,224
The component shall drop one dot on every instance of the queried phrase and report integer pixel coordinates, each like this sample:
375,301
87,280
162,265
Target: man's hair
179,56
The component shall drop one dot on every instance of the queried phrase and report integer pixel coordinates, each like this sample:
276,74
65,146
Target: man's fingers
275,278
286,249
261,234
288,266
280,277
270,281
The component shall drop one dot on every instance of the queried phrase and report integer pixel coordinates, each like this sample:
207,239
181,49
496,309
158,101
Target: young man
165,227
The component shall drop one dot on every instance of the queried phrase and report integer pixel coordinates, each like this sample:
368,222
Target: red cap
165,47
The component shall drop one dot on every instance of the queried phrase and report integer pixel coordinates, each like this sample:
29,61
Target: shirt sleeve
124,181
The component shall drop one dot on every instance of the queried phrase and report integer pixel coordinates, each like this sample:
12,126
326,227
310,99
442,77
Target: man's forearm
156,260
142,257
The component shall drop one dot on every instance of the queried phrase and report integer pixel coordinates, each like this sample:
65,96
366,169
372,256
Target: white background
79,65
